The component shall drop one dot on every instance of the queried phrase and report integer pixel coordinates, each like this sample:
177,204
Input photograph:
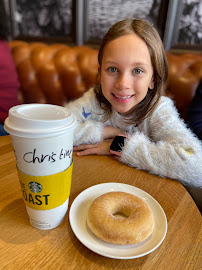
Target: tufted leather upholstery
185,72
57,73
53,74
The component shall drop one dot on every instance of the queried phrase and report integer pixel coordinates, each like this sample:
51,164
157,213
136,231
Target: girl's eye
137,71
112,69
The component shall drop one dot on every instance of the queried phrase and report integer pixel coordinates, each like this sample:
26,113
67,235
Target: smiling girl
126,106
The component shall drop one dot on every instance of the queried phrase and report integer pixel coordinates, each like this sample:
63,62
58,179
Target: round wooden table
24,247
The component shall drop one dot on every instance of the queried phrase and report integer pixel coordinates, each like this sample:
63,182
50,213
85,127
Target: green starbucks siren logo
35,187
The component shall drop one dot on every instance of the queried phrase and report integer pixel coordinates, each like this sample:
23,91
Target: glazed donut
120,218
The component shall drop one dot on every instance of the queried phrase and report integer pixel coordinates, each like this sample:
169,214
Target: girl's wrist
111,132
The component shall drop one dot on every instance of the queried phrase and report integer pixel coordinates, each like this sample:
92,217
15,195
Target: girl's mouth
122,98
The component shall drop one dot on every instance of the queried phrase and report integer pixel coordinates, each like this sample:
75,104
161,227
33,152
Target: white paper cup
42,138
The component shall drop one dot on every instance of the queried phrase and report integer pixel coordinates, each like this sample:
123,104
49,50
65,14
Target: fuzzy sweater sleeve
170,150
89,129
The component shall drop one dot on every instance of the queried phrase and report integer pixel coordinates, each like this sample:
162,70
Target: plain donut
120,218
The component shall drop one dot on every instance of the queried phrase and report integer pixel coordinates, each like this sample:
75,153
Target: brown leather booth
57,73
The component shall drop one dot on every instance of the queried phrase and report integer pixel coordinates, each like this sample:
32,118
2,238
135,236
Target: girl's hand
111,132
101,149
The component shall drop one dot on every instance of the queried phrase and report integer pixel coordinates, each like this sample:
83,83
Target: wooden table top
24,247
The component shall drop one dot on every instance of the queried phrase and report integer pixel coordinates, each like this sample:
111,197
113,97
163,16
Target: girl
127,101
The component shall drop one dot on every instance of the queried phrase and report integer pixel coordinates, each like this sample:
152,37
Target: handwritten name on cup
34,156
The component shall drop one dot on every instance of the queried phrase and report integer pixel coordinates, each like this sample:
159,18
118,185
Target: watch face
117,143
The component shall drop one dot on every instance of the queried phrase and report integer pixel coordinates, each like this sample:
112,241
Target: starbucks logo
35,187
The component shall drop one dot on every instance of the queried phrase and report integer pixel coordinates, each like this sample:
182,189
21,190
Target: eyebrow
135,63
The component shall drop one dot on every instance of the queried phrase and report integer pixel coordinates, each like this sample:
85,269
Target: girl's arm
171,151
110,132
101,148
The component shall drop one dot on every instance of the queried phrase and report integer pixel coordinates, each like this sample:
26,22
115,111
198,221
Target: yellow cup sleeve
46,192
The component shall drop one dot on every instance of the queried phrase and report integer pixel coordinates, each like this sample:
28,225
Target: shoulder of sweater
88,103
90,92
165,103
164,108
164,100
87,97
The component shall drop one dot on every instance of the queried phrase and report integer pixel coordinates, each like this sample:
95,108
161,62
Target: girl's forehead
130,47
130,41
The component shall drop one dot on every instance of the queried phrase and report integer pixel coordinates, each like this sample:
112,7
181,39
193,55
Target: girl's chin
124,107
123,111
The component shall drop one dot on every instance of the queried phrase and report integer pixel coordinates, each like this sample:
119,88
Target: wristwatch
117,144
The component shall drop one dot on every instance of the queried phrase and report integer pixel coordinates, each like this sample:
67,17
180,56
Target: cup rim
22,125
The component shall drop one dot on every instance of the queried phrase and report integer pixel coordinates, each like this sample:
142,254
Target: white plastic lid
39,120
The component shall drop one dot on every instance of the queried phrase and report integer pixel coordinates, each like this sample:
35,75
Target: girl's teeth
126,97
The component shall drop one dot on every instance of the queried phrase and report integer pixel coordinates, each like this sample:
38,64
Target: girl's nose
123,82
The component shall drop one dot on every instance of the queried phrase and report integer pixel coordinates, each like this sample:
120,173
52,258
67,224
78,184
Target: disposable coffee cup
42,139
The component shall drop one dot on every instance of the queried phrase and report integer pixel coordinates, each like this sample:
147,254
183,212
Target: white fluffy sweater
161,144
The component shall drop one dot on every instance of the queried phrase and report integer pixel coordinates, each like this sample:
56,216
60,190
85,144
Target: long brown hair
150,36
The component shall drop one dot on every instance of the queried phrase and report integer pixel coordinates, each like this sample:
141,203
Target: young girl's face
126,72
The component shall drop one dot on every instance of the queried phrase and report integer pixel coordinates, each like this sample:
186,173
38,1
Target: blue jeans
2,130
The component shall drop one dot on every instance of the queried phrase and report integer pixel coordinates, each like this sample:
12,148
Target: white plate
78,221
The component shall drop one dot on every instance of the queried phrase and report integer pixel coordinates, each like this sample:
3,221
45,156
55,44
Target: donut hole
121,213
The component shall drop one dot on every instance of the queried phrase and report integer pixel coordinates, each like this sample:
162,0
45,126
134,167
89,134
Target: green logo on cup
35,187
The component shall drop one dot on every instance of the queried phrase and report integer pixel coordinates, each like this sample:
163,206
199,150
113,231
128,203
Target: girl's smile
126,72
122,99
